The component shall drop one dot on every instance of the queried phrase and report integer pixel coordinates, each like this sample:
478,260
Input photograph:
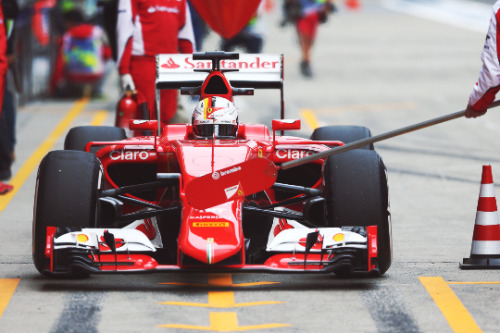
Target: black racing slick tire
66,196
344,133
357,194
78,137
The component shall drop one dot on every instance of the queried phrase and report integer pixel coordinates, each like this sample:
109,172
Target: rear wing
260,71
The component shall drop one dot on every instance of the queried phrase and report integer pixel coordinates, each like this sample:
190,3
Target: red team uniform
146,28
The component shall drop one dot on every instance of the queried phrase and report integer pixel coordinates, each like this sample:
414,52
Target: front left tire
66,196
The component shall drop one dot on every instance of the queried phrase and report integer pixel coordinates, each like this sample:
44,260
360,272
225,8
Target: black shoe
305,69
5,175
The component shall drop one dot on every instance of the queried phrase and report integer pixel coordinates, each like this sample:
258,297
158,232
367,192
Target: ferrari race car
214,195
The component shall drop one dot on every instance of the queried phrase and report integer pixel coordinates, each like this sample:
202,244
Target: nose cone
212,235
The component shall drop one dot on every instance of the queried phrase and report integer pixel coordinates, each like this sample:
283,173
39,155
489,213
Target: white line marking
464,14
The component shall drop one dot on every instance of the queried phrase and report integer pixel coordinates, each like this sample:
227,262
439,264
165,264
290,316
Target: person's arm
124,33
488,83
186,35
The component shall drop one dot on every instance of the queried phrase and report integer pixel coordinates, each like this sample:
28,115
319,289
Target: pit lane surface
377,67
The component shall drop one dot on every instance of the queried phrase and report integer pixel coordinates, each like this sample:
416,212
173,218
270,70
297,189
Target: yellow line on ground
99,118
220,300
477,282
310,118
7,288
220,280
20,177
453,310
225,322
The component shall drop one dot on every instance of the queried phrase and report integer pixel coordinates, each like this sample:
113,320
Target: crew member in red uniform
146,28
488,83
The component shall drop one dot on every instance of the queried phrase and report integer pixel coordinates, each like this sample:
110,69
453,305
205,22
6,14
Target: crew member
307,15
81,58
146,28
8,10
488,82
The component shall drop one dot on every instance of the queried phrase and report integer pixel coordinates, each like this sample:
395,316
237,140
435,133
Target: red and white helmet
215,115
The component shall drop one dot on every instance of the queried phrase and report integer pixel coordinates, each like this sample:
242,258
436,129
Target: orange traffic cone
485,250
353,4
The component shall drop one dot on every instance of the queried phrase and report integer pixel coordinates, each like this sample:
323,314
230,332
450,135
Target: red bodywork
177,150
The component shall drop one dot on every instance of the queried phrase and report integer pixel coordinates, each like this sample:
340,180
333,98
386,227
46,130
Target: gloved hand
127,83
471,113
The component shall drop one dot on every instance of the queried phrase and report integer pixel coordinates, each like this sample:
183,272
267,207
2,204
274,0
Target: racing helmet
215,115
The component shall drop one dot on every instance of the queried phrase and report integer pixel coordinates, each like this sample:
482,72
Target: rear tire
357,195
78,137
346,134
66,196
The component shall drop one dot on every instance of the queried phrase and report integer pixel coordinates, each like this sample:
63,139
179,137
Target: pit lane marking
34,160
222,321
7,288
478,282
451,307
310,118
220,280
221,299
99,118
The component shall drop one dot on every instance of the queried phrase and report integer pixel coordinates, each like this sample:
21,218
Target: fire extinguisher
132,105
126,109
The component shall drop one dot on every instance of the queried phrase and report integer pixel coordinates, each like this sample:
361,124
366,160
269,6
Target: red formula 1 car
212,195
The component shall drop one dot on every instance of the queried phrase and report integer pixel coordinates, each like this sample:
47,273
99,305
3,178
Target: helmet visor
224,130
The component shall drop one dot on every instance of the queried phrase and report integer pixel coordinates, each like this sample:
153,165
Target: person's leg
168,106
306,30
143,72
253,43
5,144
7,135
5,149
228,45
10,108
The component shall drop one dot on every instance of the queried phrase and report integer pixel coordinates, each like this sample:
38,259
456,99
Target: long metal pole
376,138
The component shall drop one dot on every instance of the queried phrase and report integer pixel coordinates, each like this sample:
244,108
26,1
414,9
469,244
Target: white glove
126,82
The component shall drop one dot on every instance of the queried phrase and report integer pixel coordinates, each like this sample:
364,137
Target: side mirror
286,124
138,124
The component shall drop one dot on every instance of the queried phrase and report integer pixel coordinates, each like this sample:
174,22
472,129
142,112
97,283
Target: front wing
348,249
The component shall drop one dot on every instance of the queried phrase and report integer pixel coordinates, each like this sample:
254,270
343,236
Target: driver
215,116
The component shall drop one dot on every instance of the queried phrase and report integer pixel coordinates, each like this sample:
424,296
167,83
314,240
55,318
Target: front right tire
357,194
344,133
